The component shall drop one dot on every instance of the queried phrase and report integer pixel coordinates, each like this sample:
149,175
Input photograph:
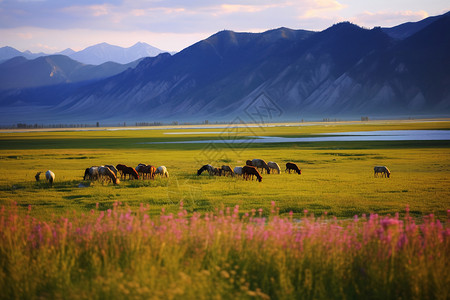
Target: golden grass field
337,177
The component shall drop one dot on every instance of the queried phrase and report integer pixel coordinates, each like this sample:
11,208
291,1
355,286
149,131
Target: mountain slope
344,71
19,72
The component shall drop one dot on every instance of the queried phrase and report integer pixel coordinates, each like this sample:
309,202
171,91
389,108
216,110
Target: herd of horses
250,170
111,173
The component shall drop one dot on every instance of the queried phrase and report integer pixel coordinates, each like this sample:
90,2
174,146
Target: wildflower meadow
127,253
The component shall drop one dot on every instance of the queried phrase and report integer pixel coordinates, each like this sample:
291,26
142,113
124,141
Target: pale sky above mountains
53,25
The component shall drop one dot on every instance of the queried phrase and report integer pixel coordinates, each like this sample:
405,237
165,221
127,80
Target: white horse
162,170
237,170
274,166
50,176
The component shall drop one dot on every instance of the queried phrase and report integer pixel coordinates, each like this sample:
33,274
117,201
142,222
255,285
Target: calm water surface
380,135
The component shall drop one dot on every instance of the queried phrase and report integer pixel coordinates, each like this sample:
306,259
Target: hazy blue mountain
67,52
93,55
20,72
9,52
344,71
104,52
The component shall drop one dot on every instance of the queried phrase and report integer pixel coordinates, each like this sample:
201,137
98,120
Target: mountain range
344,71
93,55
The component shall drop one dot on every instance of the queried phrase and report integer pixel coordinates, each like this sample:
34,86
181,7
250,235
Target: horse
248,171
86,174
227,170
291,166
274,166
248,162
238,171
162,170
260,163
50,177
139,168
209,168
120,168
93,173
149,171
383,170
37,176
106,172
130,171
112,168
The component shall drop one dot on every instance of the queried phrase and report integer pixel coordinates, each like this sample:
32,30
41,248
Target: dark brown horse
120,168
130,171
249,171
148,171
249,162
291,166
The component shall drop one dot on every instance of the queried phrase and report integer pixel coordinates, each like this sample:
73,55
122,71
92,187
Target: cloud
172,16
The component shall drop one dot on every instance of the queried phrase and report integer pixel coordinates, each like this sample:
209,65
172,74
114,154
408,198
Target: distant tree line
31,126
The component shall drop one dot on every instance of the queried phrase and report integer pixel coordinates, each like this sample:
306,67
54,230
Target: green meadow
337,177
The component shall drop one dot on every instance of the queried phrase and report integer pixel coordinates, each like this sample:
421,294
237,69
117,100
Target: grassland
337,177
200,237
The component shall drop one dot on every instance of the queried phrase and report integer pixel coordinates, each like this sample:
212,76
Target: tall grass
126,253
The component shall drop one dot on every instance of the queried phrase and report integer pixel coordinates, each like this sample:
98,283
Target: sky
51,26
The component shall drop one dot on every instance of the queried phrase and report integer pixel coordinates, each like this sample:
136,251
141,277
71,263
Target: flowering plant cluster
123,252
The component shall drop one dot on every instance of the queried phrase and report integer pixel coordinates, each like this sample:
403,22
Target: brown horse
249,171
248,162
120,168
130,171
291,166
148,171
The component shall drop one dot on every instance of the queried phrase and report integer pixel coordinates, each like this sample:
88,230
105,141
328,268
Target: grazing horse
274,166
227,170
238,171
50,177
383,170
260,163
86,174
249,171
130,171
139,168
112,168
291,166
248,162
162,170
120,168
211,170
106,172
93,173
148,171
37,176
